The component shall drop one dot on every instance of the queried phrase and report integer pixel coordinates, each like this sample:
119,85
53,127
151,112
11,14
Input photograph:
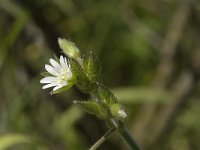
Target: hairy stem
103,139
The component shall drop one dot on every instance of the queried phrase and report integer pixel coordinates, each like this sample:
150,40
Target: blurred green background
150,56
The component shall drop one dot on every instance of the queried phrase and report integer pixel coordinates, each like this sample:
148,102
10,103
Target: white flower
61,74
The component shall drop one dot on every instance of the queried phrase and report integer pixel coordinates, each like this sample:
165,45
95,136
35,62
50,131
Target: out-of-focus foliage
10,140
150,55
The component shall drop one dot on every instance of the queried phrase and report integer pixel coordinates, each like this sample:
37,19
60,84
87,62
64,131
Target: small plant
85,73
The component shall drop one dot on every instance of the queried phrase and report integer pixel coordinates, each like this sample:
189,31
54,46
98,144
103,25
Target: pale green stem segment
103,139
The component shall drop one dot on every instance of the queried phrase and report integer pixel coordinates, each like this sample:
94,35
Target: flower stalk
103,138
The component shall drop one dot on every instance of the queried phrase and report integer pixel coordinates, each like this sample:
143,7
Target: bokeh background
150,56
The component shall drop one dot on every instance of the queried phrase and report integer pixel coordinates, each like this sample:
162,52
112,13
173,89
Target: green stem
125,135
103,139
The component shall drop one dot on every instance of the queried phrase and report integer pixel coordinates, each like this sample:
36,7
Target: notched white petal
48,80
54,63
51,70
48,86
57,87
69,74
62,62
66,62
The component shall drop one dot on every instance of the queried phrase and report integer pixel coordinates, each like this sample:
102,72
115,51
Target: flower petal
62,62
69,74
48,80
66,62
49,85
57,87
60,86
51,70
54,63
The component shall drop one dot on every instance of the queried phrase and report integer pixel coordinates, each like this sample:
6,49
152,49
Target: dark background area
150,56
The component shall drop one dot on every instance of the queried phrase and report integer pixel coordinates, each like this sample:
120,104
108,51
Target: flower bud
118,110
69,48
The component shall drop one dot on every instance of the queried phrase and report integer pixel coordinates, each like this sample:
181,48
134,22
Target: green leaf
106,95
96,108
6,141
92,68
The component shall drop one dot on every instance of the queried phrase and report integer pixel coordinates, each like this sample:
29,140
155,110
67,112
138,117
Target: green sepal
82,81
96,108
92,68
106,95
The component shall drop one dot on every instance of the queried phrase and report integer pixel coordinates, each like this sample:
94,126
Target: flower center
63,76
